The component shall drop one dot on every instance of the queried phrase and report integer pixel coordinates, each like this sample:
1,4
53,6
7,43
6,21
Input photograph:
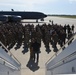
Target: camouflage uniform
47,39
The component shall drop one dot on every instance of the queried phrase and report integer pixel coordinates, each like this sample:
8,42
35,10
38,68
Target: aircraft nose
45,15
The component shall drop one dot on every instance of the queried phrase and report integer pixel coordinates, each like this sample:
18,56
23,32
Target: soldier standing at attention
72,29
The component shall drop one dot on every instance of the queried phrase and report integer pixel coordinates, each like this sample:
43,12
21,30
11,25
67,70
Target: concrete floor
33,68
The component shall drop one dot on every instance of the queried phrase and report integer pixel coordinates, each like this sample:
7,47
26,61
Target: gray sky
45,6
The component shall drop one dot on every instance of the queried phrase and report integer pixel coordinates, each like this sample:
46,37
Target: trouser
36,55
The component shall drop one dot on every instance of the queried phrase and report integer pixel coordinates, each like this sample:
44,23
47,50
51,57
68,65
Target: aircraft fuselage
24,15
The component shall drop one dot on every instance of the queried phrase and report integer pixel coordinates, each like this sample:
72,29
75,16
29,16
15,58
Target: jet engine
14,18
10,18
3,18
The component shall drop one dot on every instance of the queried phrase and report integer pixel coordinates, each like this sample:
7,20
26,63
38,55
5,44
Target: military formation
52,34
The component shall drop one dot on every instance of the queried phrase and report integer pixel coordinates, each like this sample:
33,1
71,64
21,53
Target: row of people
17,33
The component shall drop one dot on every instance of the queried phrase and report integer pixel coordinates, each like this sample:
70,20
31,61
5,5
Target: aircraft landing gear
37,20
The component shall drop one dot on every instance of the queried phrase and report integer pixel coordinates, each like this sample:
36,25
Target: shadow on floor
11,45
18,45
32,65
48,50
